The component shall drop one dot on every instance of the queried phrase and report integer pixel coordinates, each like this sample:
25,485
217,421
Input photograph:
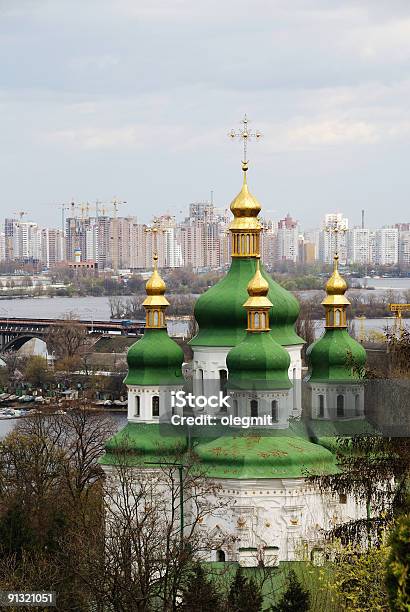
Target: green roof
138,443
327,433
258,362
222,319
331,357
155,359
254,455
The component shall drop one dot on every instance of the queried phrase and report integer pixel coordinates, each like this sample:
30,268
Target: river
99,307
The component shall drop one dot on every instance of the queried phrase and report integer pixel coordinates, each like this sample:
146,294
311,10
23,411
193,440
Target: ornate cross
335,228
154,229
245,135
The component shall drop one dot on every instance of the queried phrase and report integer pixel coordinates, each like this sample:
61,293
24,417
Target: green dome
258,362
155,360
222,319
257,455
141,442
328,357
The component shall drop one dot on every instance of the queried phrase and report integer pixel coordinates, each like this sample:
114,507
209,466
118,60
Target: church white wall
269,520
208,362
142,407
278,519
324,402
277,404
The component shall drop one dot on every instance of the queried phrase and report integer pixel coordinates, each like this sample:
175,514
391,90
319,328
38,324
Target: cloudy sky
134,99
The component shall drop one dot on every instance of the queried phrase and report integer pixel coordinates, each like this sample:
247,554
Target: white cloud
332,132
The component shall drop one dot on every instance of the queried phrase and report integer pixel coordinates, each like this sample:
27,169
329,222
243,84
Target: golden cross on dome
245,135
335,228
154,230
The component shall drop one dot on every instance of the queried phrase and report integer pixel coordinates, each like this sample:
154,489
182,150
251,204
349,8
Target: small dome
258,362
155,359
332,356
155,288
336,285
258,286
245,207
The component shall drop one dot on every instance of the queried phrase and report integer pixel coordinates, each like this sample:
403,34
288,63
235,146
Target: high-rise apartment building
26,241
2,246
52,247
404,248
386,246
287,241
329,241
8,238
358,246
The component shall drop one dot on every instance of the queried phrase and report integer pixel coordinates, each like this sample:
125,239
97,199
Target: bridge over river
14,332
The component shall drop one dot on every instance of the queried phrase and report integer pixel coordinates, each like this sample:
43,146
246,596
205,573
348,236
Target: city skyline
199,241
130,112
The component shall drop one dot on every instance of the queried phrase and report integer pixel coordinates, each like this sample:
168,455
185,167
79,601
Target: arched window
274,411
156,318
235,408
254,408
340,406
256,320
294,390
220,556
337,317
155,406
201,382
223,377
330,317
357,404
137,406
321,406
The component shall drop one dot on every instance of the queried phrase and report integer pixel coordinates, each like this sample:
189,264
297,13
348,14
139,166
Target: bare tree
144,560
67,339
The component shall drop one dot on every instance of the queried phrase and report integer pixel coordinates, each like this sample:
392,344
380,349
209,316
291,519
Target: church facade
247,346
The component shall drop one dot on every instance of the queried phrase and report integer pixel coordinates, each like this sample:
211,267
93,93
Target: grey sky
134,98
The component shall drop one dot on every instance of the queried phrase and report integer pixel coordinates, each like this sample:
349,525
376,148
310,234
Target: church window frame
275,411
155,406
137,406
340,405
254,408
321,406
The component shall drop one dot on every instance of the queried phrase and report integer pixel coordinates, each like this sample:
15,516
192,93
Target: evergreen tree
244,594
200,594
295,598
398,565
16,534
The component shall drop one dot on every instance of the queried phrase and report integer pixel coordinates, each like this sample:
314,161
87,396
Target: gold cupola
155,303
336,302
245,228
258,304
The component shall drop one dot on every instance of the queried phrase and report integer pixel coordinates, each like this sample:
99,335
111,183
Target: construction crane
398,310
115,203
21,214
63,207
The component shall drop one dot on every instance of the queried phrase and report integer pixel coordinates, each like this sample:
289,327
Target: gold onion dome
336,287
155,288
245,207
258,288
